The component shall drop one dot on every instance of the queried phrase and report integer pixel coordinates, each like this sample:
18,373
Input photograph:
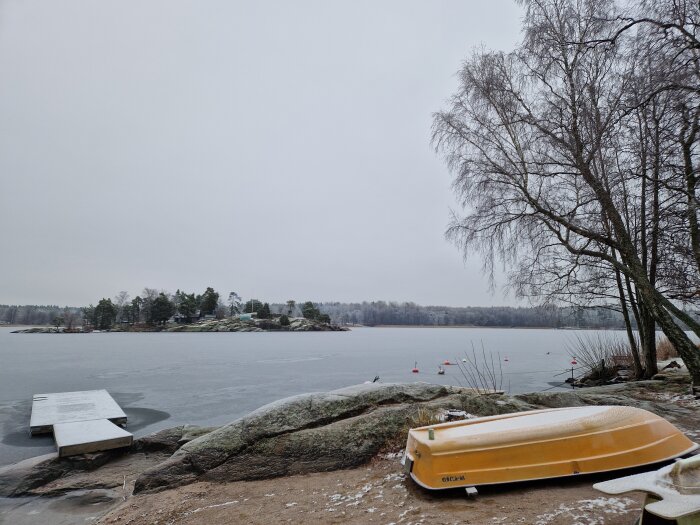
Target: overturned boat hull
540,444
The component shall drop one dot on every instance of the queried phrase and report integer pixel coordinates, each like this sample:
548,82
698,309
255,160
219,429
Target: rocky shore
320,447
299,324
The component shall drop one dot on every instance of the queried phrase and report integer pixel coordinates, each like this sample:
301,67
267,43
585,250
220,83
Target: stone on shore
313,433
256,325
26,477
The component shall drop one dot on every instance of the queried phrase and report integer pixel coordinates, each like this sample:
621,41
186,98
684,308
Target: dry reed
484,375
665,350
597,353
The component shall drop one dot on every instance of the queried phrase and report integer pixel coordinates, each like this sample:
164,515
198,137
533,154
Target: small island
159,311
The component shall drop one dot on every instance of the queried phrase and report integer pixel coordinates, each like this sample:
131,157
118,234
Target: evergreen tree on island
162,309
104,314
264,312
186,305
208,301
253,306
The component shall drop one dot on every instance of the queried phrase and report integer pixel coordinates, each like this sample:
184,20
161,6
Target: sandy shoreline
378,493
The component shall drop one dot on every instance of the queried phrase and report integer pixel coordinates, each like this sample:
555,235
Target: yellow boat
540,444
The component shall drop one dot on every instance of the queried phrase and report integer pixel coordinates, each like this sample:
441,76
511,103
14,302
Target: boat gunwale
496,417
553,439
695,447
522,413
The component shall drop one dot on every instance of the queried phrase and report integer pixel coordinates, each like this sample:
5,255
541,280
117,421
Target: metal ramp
81,422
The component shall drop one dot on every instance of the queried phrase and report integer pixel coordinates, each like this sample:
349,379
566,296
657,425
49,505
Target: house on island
179,318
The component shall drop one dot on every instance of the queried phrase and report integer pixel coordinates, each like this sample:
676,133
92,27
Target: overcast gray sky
275,148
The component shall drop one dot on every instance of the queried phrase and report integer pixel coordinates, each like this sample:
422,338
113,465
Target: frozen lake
167,379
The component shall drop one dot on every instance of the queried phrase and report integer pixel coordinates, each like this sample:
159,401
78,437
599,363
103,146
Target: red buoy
415,368
446,362
573,362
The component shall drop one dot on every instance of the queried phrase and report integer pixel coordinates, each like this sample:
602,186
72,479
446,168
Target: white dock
81,422
83,437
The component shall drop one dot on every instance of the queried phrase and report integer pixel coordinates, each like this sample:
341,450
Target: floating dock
81,422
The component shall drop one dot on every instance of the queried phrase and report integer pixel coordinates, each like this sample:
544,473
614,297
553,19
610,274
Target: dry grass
422,418
665,350
425,417
591,350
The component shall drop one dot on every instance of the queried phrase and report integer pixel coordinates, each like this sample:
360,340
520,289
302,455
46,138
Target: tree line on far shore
383,313
154,307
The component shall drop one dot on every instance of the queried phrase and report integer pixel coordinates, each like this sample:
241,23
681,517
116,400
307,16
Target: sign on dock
81,422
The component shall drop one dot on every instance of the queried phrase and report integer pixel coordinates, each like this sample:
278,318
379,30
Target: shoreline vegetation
305,325
120,310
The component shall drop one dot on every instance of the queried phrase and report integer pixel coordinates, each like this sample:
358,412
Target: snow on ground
589,511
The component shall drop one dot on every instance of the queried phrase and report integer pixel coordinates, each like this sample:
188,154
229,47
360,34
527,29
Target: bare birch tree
534,138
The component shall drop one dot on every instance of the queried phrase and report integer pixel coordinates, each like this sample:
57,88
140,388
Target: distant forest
34,314
379,313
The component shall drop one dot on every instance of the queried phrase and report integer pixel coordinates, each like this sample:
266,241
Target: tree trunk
686,348
648,328
635,309
638,369
687,143
654,301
